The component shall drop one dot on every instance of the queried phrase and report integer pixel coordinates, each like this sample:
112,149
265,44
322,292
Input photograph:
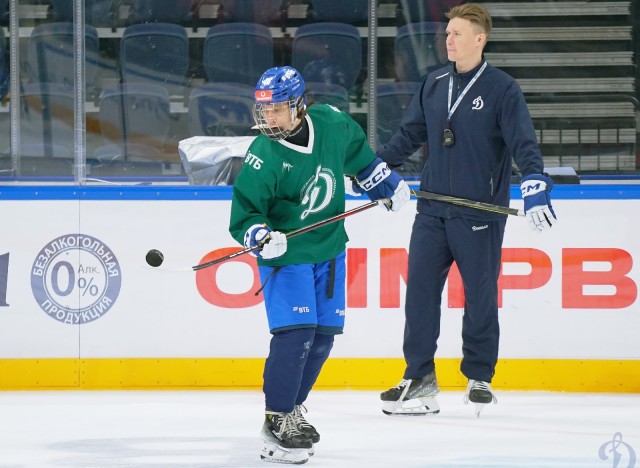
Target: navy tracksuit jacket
491,125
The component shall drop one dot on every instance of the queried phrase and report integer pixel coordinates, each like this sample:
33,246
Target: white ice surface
197,429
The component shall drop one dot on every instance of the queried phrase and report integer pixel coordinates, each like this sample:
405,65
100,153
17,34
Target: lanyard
464,91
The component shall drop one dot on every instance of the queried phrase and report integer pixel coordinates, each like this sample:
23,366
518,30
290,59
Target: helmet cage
295,105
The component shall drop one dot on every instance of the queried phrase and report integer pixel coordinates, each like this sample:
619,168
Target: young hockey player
293,175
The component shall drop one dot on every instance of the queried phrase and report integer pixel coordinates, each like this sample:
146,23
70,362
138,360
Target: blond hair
473,12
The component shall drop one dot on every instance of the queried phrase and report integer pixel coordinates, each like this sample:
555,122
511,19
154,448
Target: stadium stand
574,61
46,120
354,12
135,123
96,12
4,12
50,55
266,12
419,49
330,53
392,101
221,109
237,52
163,11
332,94
155,53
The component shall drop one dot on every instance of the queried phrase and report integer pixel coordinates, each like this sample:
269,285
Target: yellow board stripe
568,375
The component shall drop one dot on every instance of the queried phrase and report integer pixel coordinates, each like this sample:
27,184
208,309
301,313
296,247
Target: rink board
79,307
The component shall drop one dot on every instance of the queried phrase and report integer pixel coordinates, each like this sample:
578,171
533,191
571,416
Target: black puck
154,258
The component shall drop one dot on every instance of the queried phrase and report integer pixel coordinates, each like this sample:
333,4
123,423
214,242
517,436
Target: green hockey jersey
288,187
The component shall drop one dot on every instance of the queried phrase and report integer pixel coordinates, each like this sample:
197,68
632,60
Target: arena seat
419,49
155,53
340,11
96,12
392,102
50,55
46,121
135,122
324,93
164,11
237,52
221,109
4,12
330,53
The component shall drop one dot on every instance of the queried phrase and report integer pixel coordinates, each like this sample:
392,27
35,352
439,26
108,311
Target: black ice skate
480,394
283,442
303,425
415,397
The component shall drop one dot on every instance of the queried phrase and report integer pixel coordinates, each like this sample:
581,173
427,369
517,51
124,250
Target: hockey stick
468,203
289,235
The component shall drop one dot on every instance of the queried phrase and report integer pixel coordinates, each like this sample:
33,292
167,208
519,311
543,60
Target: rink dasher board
569,305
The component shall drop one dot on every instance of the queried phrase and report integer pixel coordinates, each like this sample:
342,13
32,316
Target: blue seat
155,53
391,104
165,11
46,120
50,55
328,52
237,52
323,93
340,11
135,121
221,109
96,12
419,49
4,12
267,12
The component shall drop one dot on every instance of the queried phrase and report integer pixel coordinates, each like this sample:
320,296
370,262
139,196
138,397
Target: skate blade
274,453
416,407
478,407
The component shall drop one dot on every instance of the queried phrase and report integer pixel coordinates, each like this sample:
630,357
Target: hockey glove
378,181
537,202
351,187
274,243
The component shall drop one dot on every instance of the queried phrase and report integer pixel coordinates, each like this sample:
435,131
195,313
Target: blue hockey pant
305,308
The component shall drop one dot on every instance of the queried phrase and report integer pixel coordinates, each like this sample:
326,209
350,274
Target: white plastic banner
78,286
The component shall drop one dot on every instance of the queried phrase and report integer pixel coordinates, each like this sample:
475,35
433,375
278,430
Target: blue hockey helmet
278,85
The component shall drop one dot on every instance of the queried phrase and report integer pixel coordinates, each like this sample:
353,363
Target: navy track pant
476,247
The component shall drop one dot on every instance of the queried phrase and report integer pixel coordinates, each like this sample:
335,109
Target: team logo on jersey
318,191
478,103
286,166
